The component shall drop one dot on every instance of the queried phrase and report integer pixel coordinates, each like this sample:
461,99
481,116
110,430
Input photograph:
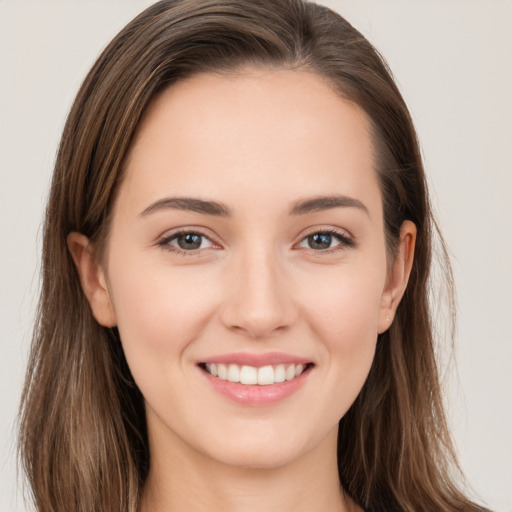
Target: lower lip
257,395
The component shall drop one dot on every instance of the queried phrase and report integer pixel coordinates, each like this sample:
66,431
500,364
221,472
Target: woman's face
247,241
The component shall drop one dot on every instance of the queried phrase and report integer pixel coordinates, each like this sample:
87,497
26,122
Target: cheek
159,311
345,309
344,317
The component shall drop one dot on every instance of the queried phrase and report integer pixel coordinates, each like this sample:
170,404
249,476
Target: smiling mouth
251,375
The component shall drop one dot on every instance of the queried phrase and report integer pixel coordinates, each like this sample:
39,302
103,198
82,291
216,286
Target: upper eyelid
170,234
327,229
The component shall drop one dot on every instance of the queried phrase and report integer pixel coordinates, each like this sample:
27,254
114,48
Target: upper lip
256,360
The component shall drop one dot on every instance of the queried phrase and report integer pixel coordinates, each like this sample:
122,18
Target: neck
188,480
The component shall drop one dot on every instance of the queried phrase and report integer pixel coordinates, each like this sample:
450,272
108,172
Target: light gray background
453,62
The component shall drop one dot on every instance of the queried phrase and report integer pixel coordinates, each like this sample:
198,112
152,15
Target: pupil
320,241
189,241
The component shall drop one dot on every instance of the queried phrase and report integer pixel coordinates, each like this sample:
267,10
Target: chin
256,458
263,451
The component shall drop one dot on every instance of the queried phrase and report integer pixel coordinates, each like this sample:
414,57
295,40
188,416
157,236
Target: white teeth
212,368
279,373
222,371
266,375
234,373
250,375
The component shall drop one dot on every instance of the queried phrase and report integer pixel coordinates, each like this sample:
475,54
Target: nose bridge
259,300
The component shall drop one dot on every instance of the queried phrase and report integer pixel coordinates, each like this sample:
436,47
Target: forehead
250,136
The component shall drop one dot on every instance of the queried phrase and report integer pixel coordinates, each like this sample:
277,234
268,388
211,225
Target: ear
92,279
398,276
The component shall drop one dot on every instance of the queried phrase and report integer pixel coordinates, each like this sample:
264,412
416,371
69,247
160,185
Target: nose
258,296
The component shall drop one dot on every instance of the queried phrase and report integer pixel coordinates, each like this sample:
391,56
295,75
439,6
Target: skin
257,141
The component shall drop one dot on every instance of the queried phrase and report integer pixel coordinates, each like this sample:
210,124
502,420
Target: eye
186,242
328,240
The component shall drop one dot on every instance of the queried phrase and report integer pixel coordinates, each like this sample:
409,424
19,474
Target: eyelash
344,241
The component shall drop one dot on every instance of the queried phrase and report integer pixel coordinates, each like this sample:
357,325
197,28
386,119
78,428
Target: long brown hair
83,439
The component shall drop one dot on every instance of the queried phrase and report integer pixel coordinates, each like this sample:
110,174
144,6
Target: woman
236,252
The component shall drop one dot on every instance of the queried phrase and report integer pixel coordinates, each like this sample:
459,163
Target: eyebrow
300,207
316,204
190,204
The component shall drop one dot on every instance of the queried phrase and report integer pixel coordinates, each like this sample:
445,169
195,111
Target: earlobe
92,279
398,276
